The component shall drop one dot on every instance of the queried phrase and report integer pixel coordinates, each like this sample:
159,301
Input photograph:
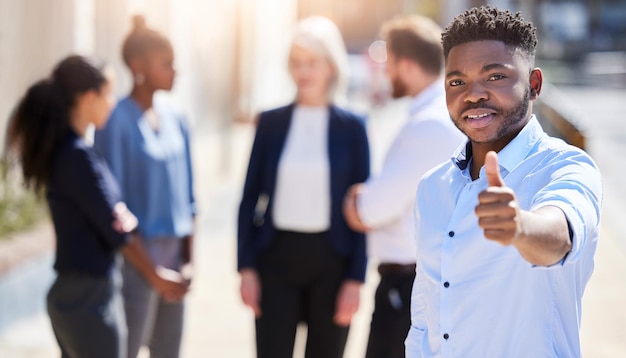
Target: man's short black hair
489,23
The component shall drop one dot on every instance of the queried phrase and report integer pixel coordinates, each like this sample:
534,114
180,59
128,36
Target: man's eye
496,77
455,83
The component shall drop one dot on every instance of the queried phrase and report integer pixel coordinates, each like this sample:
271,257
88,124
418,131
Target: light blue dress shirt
473,297
153,168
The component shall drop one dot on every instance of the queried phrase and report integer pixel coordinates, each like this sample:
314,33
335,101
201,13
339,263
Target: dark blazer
81,193
348,153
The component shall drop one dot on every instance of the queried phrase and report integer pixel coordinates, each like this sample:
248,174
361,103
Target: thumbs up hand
492,169
498,210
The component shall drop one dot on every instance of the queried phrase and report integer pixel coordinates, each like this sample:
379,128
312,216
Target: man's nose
475,93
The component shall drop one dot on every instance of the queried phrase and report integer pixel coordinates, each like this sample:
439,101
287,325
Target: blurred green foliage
20,209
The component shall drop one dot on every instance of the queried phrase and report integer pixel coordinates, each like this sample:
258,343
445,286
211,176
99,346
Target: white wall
272,30
34,34
223,70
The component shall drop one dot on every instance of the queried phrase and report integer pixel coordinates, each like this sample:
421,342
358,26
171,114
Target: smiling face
488,92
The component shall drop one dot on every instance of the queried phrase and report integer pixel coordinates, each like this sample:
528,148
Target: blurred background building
225,50
231,54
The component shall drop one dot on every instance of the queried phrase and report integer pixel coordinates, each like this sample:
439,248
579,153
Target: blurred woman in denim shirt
146,144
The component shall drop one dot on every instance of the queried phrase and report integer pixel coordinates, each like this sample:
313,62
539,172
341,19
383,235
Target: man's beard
516,115
398,88
512,117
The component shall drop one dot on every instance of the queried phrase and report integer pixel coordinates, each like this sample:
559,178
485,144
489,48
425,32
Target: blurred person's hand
168,283
187,272
251,290
350,211
348,301
125,221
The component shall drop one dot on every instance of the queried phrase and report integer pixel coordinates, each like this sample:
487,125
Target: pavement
217,324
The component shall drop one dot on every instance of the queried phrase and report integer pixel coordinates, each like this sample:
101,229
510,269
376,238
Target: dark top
348,154
81,194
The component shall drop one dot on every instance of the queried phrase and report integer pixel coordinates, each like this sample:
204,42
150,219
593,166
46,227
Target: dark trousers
392,314
87,315
300,278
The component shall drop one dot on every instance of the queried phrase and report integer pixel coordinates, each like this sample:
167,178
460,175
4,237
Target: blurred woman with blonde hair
298,259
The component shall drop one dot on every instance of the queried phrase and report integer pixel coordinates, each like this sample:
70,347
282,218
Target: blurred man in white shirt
383,206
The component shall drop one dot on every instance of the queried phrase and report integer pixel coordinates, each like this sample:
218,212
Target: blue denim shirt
153,168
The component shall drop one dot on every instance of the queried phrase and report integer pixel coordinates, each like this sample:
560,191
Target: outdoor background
231,64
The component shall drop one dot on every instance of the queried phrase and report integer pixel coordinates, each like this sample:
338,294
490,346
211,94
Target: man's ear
536,80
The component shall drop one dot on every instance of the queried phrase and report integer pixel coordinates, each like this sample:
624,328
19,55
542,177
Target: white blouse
302,197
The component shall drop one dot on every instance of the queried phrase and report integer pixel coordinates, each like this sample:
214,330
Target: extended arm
541,236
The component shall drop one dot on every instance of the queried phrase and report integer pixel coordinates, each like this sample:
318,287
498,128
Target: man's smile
479,118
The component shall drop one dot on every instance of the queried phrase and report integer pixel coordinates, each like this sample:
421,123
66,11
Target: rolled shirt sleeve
576,188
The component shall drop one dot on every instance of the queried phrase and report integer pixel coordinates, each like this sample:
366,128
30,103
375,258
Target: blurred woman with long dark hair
91,224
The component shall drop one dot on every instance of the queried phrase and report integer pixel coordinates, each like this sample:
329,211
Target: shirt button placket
451,235
446,284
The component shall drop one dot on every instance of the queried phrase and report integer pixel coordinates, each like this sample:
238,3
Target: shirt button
446,284
451,234
446,336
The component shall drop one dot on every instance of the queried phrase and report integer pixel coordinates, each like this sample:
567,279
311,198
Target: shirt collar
521,145
462,156
512,154
426,96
